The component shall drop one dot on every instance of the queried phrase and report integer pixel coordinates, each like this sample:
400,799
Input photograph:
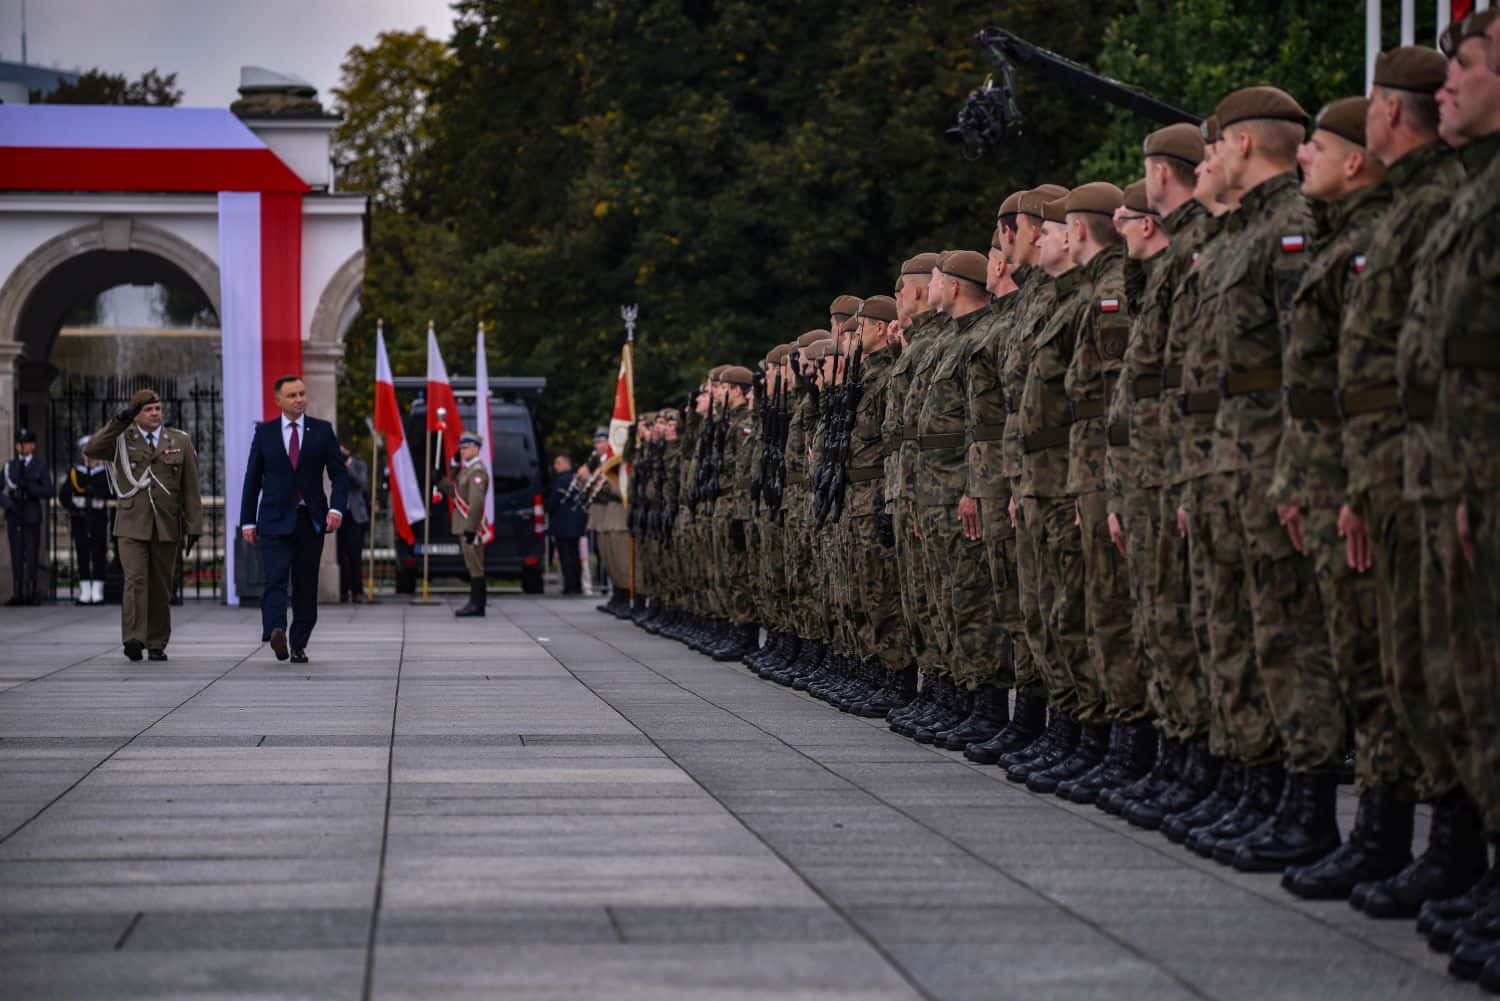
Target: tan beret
818,350
1135,198
737,375
812,335
1209,129
1012,204
1473,26
1345,118
844,305
1259,103
1032,201
1180,142
966,264
1098,197
879,307
921,265
1411,67
142,397
776,354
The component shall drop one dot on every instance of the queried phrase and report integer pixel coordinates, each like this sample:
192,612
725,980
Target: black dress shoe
156,655
299,655
278,643
133,649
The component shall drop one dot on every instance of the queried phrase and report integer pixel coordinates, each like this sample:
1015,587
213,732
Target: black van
519,546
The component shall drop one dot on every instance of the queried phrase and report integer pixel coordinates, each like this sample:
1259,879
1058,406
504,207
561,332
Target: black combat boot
1379,846
1256,804
1170,759
1454,861
783,652
1198,775
1065,788
900,690
811,661
1441,920
1303,830
798,665
1092,745
952,708
820,673
1025,726
989,716
475,607
963,707
869,679
756,659
855,670
1061,738
834,674
918,707
1477,945
638,609
1210,809
741,641
1133,758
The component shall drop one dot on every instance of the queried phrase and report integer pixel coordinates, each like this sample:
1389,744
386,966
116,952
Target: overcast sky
205,42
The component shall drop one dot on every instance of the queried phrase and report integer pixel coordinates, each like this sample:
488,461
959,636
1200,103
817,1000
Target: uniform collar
474,461
1266,191
1182,216
1069,280
1480,153
1105,259
1415,164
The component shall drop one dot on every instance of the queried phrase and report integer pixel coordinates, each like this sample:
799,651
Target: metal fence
82,405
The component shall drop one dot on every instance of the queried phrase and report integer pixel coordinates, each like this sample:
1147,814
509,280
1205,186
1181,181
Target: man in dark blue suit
288,457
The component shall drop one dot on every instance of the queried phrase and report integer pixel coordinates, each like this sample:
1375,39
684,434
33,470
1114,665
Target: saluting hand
332,522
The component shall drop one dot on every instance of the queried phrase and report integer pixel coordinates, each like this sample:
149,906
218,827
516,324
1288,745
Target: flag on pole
482,427
440,397
405,487
621,423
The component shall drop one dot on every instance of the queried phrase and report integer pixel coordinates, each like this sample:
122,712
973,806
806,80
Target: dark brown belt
1086,409
1145,387
864,474
1471,352
1257,380
953,439
1198,403
1369,401
989,432
1119,435
1171,377
1312,404
1041,441
1418,404
908,436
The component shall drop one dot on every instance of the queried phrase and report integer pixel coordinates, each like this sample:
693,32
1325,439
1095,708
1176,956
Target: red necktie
294,452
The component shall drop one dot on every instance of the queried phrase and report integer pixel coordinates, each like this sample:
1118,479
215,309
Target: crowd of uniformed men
1168,502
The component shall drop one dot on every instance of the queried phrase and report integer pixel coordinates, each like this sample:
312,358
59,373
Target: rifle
854,388
828,422
758,478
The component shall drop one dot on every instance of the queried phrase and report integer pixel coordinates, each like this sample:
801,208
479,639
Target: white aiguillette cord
121,467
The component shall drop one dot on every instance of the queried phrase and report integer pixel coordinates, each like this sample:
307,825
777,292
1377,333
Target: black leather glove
885,528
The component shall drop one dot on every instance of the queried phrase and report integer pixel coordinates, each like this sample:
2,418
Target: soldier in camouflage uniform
731,516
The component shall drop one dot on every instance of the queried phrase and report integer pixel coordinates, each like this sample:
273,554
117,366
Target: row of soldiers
1163,503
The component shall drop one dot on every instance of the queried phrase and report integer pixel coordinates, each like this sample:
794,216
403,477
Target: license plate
437,549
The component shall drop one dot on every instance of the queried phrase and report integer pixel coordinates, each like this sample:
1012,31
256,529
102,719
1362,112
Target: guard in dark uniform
24,491
84,494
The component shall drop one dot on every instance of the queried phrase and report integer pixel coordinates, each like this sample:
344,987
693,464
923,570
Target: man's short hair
1182,172
1419,109
283,380
1274,139
1100,229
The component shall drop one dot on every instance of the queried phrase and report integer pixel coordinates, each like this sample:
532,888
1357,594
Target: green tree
383,99
98,87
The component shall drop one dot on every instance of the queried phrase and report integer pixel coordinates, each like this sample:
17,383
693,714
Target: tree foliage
382,99
98,87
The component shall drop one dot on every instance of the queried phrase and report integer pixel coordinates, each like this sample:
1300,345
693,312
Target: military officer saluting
153,471
467,491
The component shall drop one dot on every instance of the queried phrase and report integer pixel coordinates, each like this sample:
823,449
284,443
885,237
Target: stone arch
341,290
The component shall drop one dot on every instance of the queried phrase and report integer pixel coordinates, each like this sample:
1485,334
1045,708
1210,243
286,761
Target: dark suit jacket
269,477
31,491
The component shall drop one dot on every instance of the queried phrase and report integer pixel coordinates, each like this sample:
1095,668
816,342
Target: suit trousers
568,562
291,566
149,569
25,553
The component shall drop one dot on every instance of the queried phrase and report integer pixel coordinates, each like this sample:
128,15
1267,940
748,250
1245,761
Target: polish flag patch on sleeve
1109,305
1293,244
1357,265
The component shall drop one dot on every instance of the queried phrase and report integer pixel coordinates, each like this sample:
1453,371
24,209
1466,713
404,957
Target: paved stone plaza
549,803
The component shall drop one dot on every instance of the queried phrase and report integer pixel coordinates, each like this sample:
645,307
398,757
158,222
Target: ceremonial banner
440,397
405,486
482,428
621,424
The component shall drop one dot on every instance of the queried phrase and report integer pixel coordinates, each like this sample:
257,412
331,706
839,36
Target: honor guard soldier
153,471
24,500
467,491
84,494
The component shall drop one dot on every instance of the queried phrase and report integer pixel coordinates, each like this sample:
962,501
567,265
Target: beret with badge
1344,118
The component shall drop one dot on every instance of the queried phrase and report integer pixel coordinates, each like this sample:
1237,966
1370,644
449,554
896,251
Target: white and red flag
442,405
405,487
482,428
621,425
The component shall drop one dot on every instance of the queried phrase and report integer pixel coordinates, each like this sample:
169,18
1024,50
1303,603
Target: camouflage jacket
1422,185
1044,402
942,466
1137,402
866,473
1193,351
901,460
1101,331
1037,296
984,423
734,484
923,352
1447,344
1310,460
1120,467
799,403
747,455
1253,318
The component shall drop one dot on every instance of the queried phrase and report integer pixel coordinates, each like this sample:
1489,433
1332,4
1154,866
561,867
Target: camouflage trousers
1066,663
839,562
1119,664
732,569
1028,599
1470,675
1349,601
801,579
882,627
1179,630
978,651
915,598
1240,723
1001,548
